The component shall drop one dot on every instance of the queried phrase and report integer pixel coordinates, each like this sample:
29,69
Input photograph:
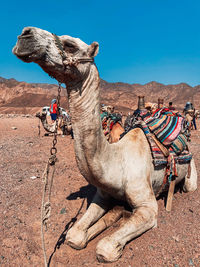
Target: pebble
14,128
33,177
63,211
191,263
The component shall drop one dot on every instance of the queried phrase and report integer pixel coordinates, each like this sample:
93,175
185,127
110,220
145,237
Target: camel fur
122,170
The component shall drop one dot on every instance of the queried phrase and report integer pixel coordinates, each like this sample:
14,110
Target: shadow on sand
85,193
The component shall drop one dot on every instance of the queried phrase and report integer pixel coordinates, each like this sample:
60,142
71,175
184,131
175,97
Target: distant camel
64,126
123,170
115,133
113,128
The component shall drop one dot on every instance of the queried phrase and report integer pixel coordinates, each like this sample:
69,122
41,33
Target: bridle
69,61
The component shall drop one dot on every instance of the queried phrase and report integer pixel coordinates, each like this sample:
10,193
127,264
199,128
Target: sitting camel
123,170
50,128
151,106
64,126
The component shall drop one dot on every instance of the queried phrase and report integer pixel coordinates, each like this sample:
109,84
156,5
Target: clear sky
140,40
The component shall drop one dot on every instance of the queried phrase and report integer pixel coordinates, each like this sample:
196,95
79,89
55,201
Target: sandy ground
175,242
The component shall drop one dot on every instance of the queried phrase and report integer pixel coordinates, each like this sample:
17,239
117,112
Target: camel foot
108,250
190,184
76,238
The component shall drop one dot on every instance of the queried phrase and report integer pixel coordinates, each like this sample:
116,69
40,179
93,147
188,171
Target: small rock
191,263
151,247
175,238
30,143
33,177
63,211
14,128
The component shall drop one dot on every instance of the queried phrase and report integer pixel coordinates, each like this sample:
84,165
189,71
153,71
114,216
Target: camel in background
64,125
114,130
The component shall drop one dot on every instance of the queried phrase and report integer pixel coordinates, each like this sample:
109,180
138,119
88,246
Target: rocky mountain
22,97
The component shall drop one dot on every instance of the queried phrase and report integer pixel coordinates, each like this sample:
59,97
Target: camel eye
69,47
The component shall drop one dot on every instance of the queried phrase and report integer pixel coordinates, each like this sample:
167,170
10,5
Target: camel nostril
26,32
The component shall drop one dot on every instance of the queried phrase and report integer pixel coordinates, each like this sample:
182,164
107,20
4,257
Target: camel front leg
77,236
106,221
110,248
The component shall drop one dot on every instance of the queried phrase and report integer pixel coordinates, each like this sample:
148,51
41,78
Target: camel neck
89,140
48,127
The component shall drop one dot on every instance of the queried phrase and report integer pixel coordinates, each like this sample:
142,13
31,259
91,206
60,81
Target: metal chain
53,149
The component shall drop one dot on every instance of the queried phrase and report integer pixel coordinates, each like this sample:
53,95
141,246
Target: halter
70,61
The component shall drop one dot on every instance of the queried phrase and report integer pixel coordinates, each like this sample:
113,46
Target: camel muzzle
24,49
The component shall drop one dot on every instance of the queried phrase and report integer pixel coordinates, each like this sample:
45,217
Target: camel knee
76,238
146,216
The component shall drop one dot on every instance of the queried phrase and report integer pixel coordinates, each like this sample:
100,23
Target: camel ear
93,49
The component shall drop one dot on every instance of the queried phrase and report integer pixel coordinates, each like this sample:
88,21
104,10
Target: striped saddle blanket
165,125
159,159
168,128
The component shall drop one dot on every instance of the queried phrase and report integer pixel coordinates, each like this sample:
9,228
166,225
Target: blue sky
140,41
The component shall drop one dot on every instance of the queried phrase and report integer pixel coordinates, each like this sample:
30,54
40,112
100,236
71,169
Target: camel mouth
24,49
24,56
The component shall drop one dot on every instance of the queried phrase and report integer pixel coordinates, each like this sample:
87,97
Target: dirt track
175,242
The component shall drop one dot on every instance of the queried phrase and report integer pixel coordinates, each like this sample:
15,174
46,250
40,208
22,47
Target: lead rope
46,204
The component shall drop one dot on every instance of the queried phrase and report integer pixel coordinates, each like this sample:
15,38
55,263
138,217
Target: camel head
64,58
41,115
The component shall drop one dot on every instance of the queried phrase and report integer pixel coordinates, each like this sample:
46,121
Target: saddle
165,132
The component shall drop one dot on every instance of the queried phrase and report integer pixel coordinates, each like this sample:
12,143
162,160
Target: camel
122,170
115,133
151,106
64,126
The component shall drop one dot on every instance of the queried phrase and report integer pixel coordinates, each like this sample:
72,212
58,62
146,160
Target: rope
46,204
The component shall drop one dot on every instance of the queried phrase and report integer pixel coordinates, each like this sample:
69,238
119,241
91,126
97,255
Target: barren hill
22,97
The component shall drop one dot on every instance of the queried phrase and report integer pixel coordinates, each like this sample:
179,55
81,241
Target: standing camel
123,170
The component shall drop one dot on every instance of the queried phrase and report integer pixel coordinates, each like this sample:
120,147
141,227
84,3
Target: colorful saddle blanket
165,124
168,128
159,159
